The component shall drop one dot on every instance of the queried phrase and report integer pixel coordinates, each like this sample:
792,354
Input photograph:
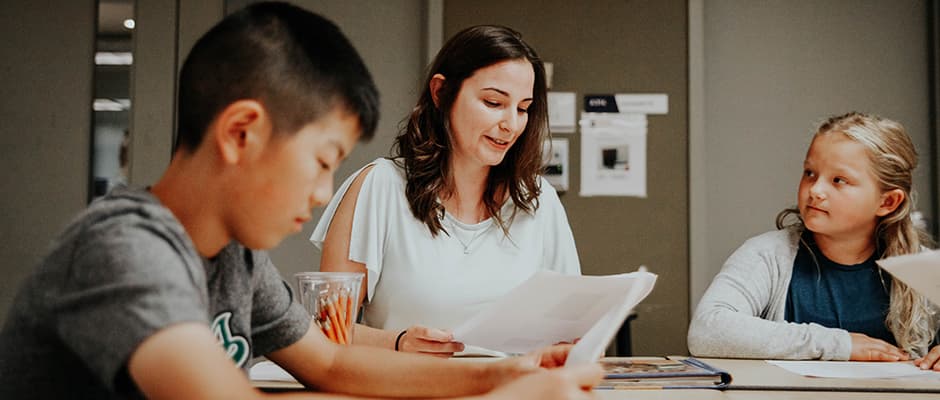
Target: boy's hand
552,356
511,368
560,383
866,348
430,341
930,361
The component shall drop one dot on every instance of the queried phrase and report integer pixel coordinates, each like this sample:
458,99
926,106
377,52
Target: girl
459,215
811,289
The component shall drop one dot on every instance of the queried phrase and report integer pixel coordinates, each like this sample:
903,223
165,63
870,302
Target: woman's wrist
398,340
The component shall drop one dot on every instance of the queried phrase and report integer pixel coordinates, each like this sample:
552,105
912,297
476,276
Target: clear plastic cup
332,299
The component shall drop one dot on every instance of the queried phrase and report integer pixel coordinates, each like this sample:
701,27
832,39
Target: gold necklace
466,245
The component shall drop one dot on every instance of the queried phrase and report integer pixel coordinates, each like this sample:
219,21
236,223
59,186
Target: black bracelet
398,339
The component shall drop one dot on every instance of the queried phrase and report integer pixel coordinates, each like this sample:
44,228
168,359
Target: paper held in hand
920,271
550,308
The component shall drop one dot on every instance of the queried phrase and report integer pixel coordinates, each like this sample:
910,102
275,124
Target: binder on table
687,373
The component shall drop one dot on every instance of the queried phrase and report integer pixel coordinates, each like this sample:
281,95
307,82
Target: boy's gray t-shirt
123,270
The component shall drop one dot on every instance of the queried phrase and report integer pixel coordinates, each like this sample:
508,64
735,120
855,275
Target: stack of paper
550,308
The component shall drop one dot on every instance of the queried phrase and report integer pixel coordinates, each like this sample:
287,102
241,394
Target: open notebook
268,375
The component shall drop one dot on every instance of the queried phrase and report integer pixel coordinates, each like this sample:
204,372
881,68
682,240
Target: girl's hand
930,361
430,341
866,348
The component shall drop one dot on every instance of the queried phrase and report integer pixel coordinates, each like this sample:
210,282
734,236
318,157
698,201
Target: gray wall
389,37
46,132
772,70
47,106
619,47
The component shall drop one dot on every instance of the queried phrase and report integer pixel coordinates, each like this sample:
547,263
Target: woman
458,215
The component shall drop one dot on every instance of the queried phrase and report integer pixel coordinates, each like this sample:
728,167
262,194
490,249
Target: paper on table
549,308
269,371
920,271
854,369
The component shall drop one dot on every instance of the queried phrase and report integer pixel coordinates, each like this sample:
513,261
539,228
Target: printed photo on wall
613,154
615,158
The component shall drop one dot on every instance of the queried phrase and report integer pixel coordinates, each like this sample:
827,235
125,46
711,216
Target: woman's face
490,113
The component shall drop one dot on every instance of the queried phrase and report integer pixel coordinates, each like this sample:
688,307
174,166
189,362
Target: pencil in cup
332,300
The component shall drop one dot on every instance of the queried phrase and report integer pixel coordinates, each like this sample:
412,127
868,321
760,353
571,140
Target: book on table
686,373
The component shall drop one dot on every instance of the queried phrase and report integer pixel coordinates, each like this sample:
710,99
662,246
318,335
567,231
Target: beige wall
46,132
772,70
47,112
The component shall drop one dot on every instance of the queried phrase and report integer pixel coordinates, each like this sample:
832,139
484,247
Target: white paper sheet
550,308
920,271
592,345
855,369
269,371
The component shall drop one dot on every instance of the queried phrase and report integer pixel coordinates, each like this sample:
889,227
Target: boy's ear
437,82
240,129
890,201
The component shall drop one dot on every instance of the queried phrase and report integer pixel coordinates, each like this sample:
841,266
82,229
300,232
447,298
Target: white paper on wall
613,154
562,109
555,154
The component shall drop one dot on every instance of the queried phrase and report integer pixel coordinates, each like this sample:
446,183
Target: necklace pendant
466,250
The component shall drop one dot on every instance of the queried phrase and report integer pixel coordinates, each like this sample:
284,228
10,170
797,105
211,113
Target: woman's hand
866,348
435,342
930,361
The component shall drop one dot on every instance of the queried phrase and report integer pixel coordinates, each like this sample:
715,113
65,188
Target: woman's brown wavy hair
425,143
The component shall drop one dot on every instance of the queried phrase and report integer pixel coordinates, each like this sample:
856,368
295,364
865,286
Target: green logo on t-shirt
236,346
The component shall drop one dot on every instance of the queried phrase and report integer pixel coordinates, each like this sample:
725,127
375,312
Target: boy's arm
370,371
185,361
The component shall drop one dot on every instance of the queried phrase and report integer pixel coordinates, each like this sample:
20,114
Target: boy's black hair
296,63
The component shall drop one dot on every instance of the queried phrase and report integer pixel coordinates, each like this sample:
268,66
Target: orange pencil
329,320
334,318
340,317
349,310
328,330
341,310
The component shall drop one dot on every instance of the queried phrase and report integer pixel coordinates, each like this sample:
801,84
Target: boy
139,292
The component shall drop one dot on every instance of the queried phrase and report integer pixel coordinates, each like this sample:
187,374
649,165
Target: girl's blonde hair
893,159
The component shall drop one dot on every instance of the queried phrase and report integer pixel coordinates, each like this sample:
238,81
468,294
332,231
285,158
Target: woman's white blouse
414,278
